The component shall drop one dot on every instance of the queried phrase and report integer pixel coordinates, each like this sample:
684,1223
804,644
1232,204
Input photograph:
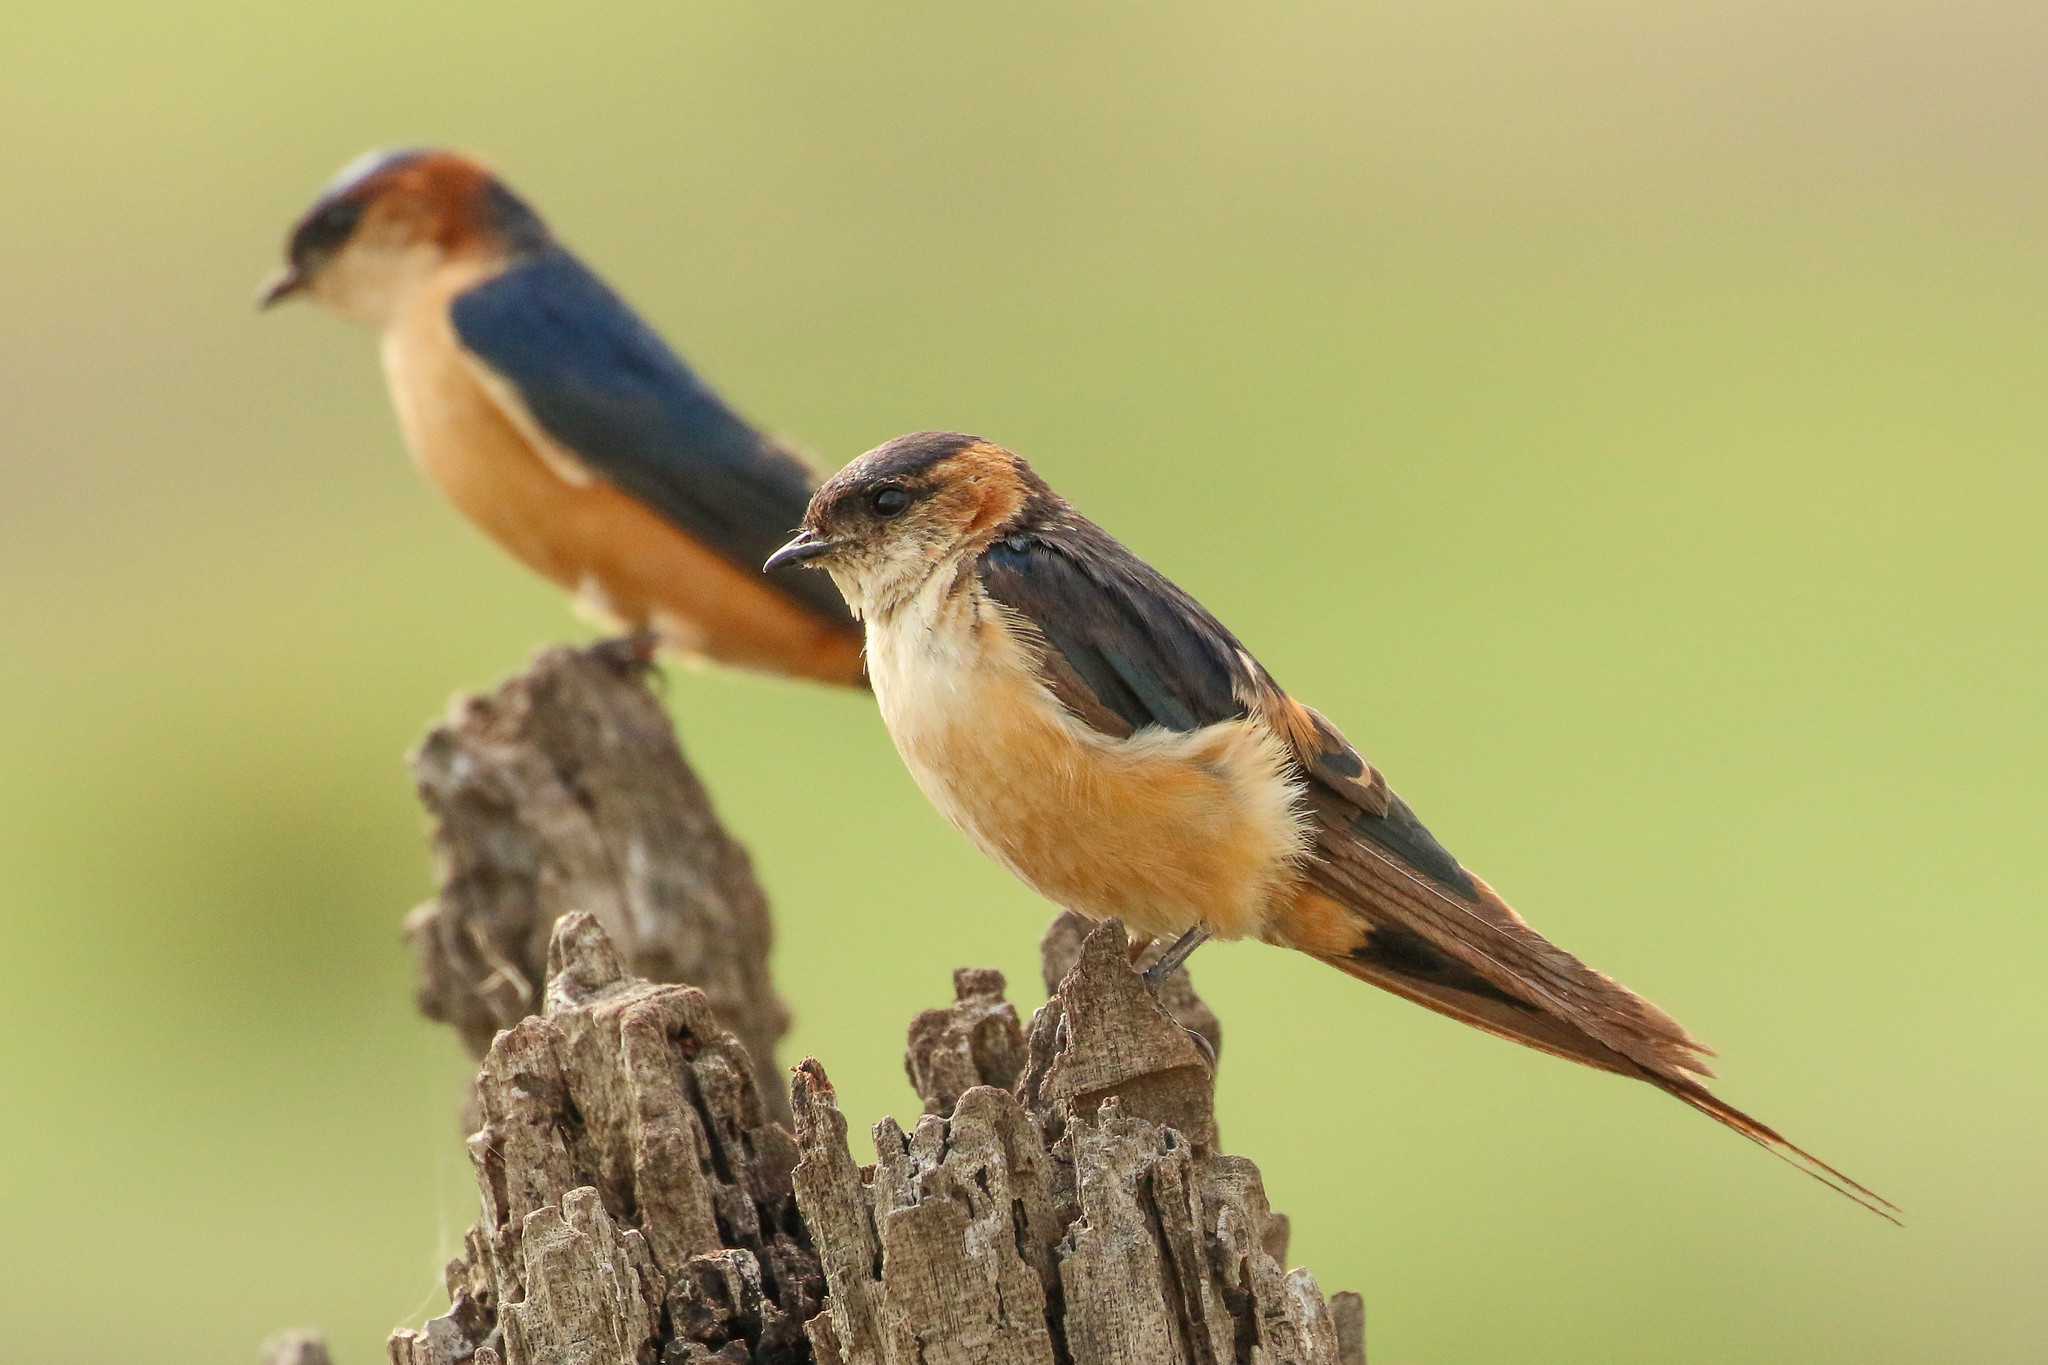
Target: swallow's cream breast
1161,830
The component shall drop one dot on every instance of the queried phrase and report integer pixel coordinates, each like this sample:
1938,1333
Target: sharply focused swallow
558,422
1090,727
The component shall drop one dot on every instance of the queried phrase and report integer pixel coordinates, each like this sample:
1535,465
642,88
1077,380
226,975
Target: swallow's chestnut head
388,221
885,524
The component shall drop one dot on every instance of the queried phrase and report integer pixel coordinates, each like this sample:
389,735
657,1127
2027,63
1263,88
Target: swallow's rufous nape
1090,727
560,423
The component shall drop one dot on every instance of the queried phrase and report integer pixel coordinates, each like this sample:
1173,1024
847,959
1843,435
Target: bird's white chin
852,586
370,282
877,586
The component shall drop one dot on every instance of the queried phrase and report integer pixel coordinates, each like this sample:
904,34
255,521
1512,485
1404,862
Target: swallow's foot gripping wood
1175,955
564,789
635,649
1060,949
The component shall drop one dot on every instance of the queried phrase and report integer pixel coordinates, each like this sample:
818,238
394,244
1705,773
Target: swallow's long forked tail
1478,962
1774,1142
1548,1034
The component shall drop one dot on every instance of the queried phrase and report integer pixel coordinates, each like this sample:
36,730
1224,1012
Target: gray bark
564,790
637,1204
1087,1216
1347,1310
296,1347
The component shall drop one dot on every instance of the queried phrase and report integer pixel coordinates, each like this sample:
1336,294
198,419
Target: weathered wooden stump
1064,1200
564,790
1086,1215
637,1204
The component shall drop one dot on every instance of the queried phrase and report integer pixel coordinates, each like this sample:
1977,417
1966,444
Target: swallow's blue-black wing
1124,645
1127,649
1144,649
606,388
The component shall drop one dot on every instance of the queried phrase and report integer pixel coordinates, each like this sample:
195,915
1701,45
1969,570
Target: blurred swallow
1092,728
558,422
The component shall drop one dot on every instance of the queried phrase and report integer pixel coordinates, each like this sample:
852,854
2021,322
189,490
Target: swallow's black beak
803,550
287,281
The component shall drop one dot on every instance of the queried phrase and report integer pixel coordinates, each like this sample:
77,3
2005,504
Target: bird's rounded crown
929,481
885,522
427,196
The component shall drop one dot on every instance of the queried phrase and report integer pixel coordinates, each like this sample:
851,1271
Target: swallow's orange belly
1160,830
608,549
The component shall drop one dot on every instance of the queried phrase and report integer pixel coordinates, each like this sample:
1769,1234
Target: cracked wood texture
1064,1200
564,790
637,1198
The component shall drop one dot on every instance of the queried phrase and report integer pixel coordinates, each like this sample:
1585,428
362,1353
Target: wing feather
1485,935
1124,641
609,392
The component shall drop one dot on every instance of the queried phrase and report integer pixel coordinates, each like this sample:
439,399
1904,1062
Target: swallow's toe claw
631,651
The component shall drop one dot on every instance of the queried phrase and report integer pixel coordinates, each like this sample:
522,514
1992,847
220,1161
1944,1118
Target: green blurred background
1626,420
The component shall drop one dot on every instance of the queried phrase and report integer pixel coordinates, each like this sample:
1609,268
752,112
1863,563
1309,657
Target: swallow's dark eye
328,230
888,501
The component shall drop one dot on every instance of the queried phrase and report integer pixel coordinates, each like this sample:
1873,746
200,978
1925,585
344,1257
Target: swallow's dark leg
635,649
1169,961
